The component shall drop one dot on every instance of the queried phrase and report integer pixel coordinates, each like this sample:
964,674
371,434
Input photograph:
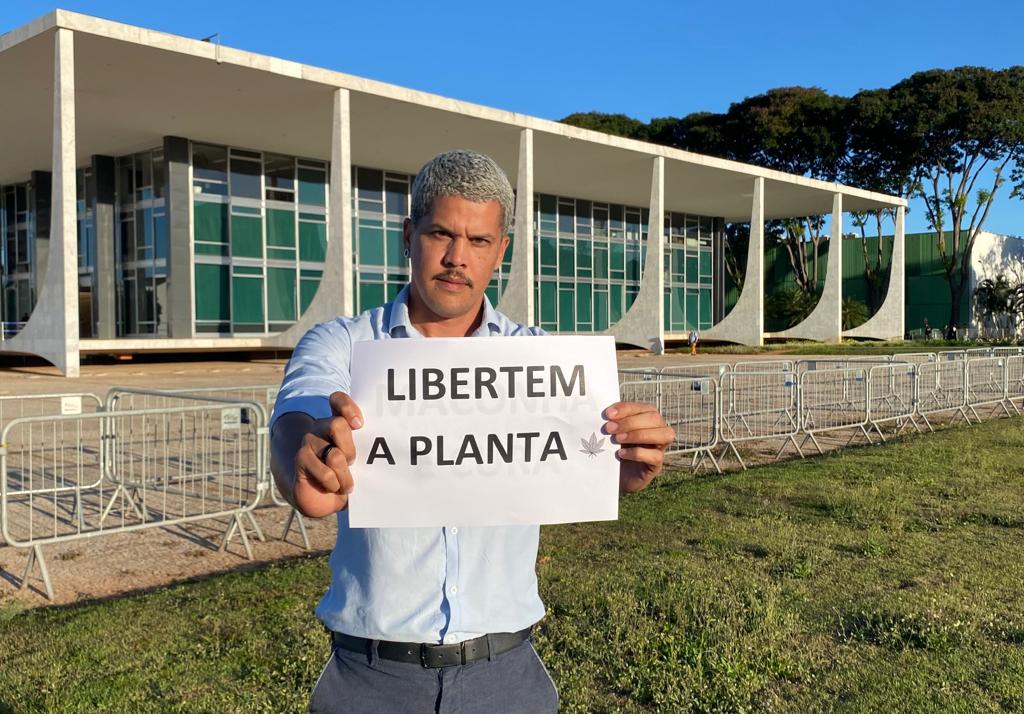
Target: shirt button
453,530
453,590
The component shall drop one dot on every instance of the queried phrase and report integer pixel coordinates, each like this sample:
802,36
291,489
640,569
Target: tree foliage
953,138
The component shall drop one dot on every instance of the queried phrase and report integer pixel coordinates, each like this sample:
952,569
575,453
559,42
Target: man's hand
643,436
311,458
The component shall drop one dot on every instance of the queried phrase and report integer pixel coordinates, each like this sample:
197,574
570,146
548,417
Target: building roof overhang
134,86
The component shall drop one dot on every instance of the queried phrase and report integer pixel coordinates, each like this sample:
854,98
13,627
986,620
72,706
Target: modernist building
164,193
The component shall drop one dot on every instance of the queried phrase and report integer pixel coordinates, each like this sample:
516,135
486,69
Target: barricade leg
35,558
295,517
255,527
237,525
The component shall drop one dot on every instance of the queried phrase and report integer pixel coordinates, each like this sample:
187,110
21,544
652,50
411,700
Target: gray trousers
514,682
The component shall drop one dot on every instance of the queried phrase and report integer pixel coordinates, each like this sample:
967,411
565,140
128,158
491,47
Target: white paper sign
230,418
484,431
70,405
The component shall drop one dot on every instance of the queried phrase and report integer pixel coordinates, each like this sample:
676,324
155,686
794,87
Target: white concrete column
745,323
517,300
336,294
340,228
52,328
825,323
644,323
889,322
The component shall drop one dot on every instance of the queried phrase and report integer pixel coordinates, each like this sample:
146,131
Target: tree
617,124
799,130
877,161
959,125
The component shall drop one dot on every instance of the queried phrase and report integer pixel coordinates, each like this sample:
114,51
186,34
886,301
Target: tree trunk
956,293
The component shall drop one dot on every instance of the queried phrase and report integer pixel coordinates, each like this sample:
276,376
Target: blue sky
645,59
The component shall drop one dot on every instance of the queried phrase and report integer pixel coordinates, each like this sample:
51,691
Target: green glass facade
86,252
688,267
259,238
588,262
17,280
142,244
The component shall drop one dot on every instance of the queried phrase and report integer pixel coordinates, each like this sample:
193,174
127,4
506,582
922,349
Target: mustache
454,276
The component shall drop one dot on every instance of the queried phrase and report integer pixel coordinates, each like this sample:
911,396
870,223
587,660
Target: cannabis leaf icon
592,446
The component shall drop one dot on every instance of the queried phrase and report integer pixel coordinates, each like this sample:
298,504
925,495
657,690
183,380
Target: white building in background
996,255
160,193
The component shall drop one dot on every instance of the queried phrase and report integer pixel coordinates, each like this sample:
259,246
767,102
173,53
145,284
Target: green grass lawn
880,579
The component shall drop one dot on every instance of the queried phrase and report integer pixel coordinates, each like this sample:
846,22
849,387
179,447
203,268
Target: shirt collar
399,325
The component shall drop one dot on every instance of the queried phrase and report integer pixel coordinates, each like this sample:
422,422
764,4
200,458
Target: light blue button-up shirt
412,584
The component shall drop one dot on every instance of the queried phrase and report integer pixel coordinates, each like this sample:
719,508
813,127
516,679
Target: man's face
454,249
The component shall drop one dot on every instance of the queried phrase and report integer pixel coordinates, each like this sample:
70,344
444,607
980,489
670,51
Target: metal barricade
52,404
263,394
706,371
915,357
765,365
642,374
839,363
1015,382
1007,351
759,406
690,405
834,400
892,396
62,403
986,384
132,399
64,478
950,355
942,388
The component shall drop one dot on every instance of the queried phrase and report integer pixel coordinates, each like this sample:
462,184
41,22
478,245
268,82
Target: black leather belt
433,655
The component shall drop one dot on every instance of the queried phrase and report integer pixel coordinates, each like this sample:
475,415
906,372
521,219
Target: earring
406,252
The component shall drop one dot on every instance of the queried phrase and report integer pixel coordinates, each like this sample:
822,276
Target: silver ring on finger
325,452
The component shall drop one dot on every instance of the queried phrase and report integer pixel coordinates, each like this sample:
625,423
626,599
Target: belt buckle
426,648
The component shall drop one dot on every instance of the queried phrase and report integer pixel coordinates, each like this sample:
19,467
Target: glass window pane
600,310
247,300
566,260
280,294
209,163
691,309
371,245
566,310
704,312
246,237
548,301
396,198
245,178
307,291
371,295
679,309
213,292
583,302
691,268
210,221
616,300
312,187
280,228
396,251
279,172
312,241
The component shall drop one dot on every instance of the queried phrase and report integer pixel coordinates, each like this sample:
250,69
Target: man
693,338
428,619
